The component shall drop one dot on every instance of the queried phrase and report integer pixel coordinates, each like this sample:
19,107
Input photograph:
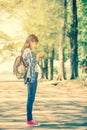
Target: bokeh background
61,26
51,21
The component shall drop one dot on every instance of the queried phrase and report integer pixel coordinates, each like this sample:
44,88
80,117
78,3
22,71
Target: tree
74,42
51,63
49,23
61,72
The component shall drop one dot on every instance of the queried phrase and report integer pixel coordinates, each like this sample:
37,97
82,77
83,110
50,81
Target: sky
12,27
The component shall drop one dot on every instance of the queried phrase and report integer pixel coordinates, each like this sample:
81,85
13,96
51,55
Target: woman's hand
28,80
40,55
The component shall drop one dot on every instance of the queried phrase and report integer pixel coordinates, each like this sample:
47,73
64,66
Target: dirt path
63,106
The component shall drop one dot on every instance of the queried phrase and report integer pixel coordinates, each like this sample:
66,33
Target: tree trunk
61,74
73,42
51,64
61,60
46,67
42,69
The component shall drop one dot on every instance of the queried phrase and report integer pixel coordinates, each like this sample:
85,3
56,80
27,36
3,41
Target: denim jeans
32,87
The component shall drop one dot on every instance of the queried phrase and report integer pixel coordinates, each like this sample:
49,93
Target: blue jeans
32,87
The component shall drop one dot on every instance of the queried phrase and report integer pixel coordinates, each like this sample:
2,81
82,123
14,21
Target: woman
32,74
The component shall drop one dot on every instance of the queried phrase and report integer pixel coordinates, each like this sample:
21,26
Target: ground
60,105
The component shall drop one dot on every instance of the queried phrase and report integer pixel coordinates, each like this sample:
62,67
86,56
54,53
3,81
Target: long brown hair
30,38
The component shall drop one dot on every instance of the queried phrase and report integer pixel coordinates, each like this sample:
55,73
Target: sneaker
32,123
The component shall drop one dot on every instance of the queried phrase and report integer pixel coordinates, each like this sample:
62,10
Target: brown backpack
19,68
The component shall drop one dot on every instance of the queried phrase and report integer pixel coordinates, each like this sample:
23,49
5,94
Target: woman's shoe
32,123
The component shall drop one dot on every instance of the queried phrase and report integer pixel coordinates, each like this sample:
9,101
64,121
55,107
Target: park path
62,106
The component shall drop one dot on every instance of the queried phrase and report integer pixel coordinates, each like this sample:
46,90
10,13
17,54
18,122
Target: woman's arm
27,60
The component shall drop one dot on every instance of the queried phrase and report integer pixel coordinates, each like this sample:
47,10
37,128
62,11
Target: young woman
32,74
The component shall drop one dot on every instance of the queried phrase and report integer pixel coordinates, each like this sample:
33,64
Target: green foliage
45,22
56,70
10,5
82,28
43,18
82,17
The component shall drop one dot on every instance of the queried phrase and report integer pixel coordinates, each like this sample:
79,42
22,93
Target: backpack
19,68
